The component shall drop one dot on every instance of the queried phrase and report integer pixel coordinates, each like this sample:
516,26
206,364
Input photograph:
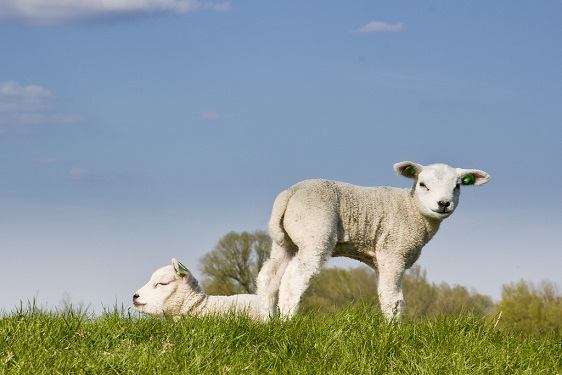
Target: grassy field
354,341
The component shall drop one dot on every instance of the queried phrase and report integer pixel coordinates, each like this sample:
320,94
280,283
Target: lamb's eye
458,186
423,186
160,284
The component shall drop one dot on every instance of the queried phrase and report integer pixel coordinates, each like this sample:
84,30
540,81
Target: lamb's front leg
390,275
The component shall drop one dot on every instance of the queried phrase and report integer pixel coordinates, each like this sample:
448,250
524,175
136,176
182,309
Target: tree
335,288
233,264
418,293
424,299
529,309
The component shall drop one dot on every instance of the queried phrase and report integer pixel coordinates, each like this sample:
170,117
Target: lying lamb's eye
158,284
423,186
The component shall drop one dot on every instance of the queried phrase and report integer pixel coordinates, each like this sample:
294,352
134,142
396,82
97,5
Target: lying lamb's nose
135,296
444,204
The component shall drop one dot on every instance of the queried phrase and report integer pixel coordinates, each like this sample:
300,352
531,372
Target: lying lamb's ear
408,169
180,269
473,176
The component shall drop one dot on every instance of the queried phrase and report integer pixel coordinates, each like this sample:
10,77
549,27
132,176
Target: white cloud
377,27
222,7
22,106
52,12
17,98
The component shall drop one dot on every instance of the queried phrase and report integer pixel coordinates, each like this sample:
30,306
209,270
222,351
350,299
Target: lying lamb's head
437,187
168,289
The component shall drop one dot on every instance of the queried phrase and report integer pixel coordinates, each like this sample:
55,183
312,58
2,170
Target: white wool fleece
174,291
383,227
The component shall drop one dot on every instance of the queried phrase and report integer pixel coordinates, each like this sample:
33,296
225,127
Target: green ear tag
468,179
183,267
409,169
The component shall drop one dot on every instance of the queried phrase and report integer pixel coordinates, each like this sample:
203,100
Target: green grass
353,341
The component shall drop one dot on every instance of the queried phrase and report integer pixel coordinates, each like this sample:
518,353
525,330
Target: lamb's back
239,303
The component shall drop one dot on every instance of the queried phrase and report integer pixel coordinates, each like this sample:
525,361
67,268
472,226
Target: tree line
232,265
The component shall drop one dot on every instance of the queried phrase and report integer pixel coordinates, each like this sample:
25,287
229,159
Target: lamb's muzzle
135,300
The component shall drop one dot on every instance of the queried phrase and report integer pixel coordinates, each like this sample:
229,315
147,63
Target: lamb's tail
276,230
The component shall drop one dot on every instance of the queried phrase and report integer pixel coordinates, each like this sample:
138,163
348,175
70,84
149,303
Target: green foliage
354,340
233,265
335,288
424,299
529,309
523,308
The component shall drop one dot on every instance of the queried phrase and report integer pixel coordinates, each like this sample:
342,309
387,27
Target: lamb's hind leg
269,278
296,279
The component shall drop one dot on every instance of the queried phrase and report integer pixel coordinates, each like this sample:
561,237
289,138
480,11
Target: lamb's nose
135,297
444,204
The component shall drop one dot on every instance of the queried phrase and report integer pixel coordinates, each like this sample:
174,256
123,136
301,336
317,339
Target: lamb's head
167,291
437,186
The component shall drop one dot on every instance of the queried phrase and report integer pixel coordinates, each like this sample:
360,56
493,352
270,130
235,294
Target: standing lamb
383,227
173,291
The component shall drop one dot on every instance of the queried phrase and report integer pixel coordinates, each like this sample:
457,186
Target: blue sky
146,130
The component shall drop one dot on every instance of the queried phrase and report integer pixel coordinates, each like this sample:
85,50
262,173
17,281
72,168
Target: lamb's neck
431,225
195,303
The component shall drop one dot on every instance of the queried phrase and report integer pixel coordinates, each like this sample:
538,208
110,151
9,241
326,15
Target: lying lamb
173,291
383,227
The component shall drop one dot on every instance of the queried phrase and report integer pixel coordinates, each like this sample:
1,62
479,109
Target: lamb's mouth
443,212
138,304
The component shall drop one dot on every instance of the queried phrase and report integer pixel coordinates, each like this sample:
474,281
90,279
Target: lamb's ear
473,176
408,169
180,269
